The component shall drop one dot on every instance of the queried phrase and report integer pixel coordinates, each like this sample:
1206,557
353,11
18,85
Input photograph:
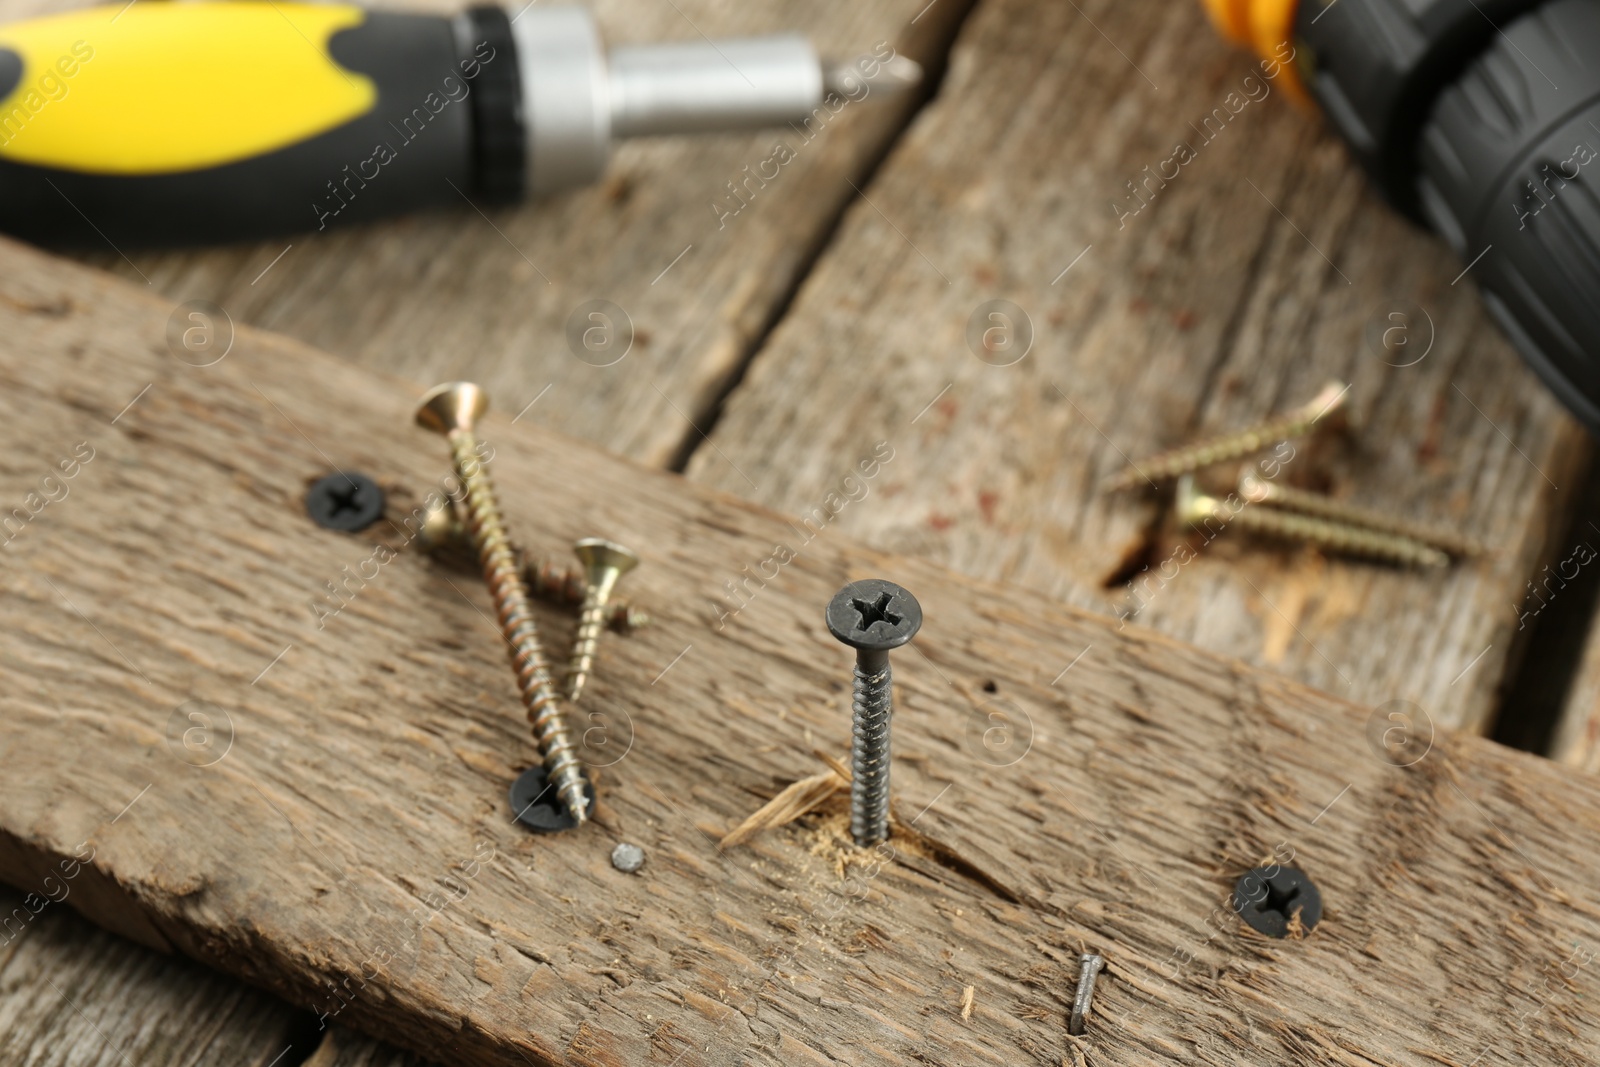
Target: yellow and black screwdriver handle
177,123
181,122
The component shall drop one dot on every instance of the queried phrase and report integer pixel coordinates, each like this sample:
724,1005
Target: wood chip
797,799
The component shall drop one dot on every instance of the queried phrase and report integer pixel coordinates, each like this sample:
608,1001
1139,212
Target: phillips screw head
873,615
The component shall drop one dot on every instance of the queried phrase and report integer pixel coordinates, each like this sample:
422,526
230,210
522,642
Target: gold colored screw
1259,490
604,562
1164,466
1197,509
554,583
452,409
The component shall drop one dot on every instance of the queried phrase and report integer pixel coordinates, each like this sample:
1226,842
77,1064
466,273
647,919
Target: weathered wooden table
772,350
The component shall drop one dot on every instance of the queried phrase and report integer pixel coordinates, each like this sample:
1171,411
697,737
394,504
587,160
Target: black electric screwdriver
1481,120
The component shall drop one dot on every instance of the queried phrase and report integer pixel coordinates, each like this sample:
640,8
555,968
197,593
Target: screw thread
1337,537
591,620
872,709
1325,507
1186,459
486,530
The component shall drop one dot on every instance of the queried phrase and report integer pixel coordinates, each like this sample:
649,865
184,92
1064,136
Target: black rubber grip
499,147
1376,67
1511,178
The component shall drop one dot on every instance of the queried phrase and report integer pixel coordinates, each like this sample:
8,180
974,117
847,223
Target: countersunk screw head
452,406
873,615
1266,898
535,804
597,554
344,500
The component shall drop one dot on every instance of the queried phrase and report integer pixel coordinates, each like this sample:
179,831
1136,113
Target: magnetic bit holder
580,96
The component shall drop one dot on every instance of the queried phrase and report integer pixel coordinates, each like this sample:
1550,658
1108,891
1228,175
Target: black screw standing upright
872,616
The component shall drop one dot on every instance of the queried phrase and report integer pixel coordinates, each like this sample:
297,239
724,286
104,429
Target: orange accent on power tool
1263,26
1231,18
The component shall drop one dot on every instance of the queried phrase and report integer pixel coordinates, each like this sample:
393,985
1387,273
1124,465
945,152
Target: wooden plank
1204,303
1559,608
354,831
456,293
75,996
1577,737
341,1048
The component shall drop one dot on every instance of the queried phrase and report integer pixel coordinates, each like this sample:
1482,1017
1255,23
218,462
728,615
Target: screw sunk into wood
872,616
1089,967
452,409
604,562
547,580
344,500
1165,466
1259,490
1197,509
1277,901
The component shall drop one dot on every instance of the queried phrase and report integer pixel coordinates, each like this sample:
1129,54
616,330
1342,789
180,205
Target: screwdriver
182,123
1479,119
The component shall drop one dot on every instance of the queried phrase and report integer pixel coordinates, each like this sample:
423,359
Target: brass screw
1164,466
547,580
452,409
440,530
604,562
1195,508
1259,490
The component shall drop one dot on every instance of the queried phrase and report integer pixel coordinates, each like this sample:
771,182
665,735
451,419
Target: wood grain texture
72,995
488,295
340,1048
347,844
1201,304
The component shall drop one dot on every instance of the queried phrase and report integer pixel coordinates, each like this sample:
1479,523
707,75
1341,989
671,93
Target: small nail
1089,966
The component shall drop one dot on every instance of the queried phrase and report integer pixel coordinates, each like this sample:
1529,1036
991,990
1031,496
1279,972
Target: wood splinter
797,799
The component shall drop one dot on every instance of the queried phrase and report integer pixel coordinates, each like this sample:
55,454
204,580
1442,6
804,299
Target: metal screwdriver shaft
452,409
872,616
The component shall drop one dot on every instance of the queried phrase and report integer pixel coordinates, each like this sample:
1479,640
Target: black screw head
344,500
874,615
535,804
1266,898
